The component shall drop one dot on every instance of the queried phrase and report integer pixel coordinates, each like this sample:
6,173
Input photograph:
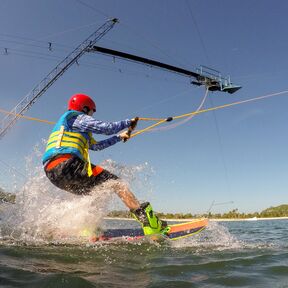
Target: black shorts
71,175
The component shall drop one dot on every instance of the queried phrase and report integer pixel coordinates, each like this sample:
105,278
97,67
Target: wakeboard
173,232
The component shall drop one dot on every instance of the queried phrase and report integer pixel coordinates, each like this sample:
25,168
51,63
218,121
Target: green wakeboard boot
151,224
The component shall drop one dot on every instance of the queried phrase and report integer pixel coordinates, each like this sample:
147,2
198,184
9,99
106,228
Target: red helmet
78,102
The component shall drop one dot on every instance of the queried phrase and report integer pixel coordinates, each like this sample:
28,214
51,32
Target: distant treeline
6,197
279,211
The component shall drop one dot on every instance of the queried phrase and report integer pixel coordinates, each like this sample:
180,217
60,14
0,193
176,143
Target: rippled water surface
227,254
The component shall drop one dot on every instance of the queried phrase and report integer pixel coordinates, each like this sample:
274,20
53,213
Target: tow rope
160,121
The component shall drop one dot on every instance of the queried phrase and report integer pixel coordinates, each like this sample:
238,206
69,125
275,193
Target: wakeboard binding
149,221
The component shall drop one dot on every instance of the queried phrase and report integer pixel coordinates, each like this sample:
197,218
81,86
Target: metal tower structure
26,103
206,76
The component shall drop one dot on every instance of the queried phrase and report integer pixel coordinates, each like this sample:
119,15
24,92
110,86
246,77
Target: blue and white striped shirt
86,123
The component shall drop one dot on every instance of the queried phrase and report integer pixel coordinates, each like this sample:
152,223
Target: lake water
227,254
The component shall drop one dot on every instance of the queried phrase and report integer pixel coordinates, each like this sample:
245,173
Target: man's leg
128,198
143,213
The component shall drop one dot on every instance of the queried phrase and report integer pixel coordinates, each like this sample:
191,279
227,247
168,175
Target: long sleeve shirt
86,123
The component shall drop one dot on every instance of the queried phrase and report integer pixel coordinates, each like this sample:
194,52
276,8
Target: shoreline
249,219
212,219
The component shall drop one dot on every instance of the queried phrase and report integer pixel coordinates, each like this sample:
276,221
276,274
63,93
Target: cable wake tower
203,75
26,103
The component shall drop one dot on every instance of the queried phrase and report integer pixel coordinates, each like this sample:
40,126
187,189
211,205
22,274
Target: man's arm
100,145
85,123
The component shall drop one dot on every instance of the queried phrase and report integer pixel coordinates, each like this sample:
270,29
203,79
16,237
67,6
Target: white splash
215,236
43,212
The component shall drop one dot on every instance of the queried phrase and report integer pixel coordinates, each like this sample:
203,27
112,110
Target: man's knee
118,185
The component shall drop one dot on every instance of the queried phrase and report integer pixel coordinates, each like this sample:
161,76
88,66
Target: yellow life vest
63,141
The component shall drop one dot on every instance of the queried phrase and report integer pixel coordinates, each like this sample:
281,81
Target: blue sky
236,154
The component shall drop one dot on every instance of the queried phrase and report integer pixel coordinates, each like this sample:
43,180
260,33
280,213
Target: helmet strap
85,110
